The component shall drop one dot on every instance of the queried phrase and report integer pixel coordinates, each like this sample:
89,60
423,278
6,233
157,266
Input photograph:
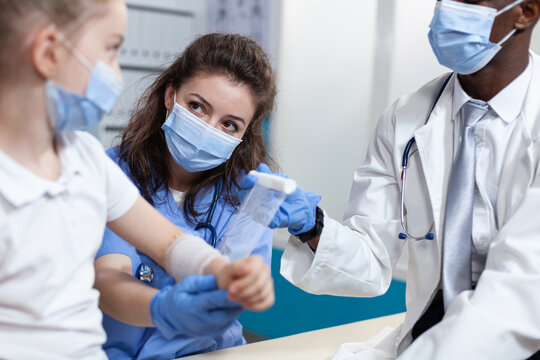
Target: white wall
324,79
341,63
535,43
414,63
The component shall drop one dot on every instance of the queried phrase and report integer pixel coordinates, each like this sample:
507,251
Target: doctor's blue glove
297,212
193,307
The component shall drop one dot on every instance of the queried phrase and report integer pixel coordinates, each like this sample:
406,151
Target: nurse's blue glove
297,212
193,307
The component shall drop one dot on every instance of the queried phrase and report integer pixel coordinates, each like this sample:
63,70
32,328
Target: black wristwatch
316,230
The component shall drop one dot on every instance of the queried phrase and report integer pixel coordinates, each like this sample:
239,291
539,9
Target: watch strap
316,230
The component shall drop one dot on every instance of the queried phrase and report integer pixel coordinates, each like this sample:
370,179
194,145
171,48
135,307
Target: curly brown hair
143,147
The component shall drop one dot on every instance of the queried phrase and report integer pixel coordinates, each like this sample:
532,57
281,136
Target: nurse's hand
249,282
297,212
193,307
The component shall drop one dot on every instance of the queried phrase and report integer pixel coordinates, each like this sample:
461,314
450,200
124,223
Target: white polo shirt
50,232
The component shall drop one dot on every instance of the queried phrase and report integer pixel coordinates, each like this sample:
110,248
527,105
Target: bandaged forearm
189,255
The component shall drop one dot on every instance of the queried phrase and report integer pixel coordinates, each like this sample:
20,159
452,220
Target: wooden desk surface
313,345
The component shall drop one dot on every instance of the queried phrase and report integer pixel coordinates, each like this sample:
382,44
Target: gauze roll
189,255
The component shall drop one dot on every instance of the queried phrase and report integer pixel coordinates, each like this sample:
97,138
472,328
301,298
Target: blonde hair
17,17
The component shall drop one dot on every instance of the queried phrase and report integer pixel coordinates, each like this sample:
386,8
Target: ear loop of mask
80,57
508,7
508,36
503,10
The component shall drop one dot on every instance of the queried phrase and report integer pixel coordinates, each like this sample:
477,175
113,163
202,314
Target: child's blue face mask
195,145
460,32
69,111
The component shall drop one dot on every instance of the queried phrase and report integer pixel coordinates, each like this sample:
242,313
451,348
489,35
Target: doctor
471,200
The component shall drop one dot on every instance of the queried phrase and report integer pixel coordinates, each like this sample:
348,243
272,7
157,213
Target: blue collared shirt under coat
132,342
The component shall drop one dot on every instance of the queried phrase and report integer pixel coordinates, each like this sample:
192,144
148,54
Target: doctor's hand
249,282
297,212
193,307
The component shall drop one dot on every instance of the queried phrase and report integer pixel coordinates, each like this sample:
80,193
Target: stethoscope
404,162
210,215
145,273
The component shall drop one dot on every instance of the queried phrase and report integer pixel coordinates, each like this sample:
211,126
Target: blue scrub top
133,342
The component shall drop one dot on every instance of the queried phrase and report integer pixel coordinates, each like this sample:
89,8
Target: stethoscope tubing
210,216
404,163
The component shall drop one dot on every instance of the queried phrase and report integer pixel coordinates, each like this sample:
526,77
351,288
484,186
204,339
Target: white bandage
189,255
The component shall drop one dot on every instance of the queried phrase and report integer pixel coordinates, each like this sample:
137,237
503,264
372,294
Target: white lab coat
500,319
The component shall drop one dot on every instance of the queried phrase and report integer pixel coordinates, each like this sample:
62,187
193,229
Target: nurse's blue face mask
193,144
69,111
460,32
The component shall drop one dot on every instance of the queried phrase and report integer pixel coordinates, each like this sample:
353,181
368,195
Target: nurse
470,216
194,133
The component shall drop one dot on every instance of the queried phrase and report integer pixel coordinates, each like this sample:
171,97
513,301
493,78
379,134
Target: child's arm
194,307
182,254
127,299
178,252
151,233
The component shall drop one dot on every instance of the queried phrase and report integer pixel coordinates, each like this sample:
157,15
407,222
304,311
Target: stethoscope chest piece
145,273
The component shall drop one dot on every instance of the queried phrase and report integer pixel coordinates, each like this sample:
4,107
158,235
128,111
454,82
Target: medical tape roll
189,255
255,214
275,182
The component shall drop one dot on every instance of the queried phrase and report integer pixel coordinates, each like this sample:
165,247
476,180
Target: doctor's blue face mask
69,111
460,32
193,144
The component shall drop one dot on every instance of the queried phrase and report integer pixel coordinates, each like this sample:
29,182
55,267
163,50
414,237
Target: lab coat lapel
434,142
517,172
519,165
435,147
